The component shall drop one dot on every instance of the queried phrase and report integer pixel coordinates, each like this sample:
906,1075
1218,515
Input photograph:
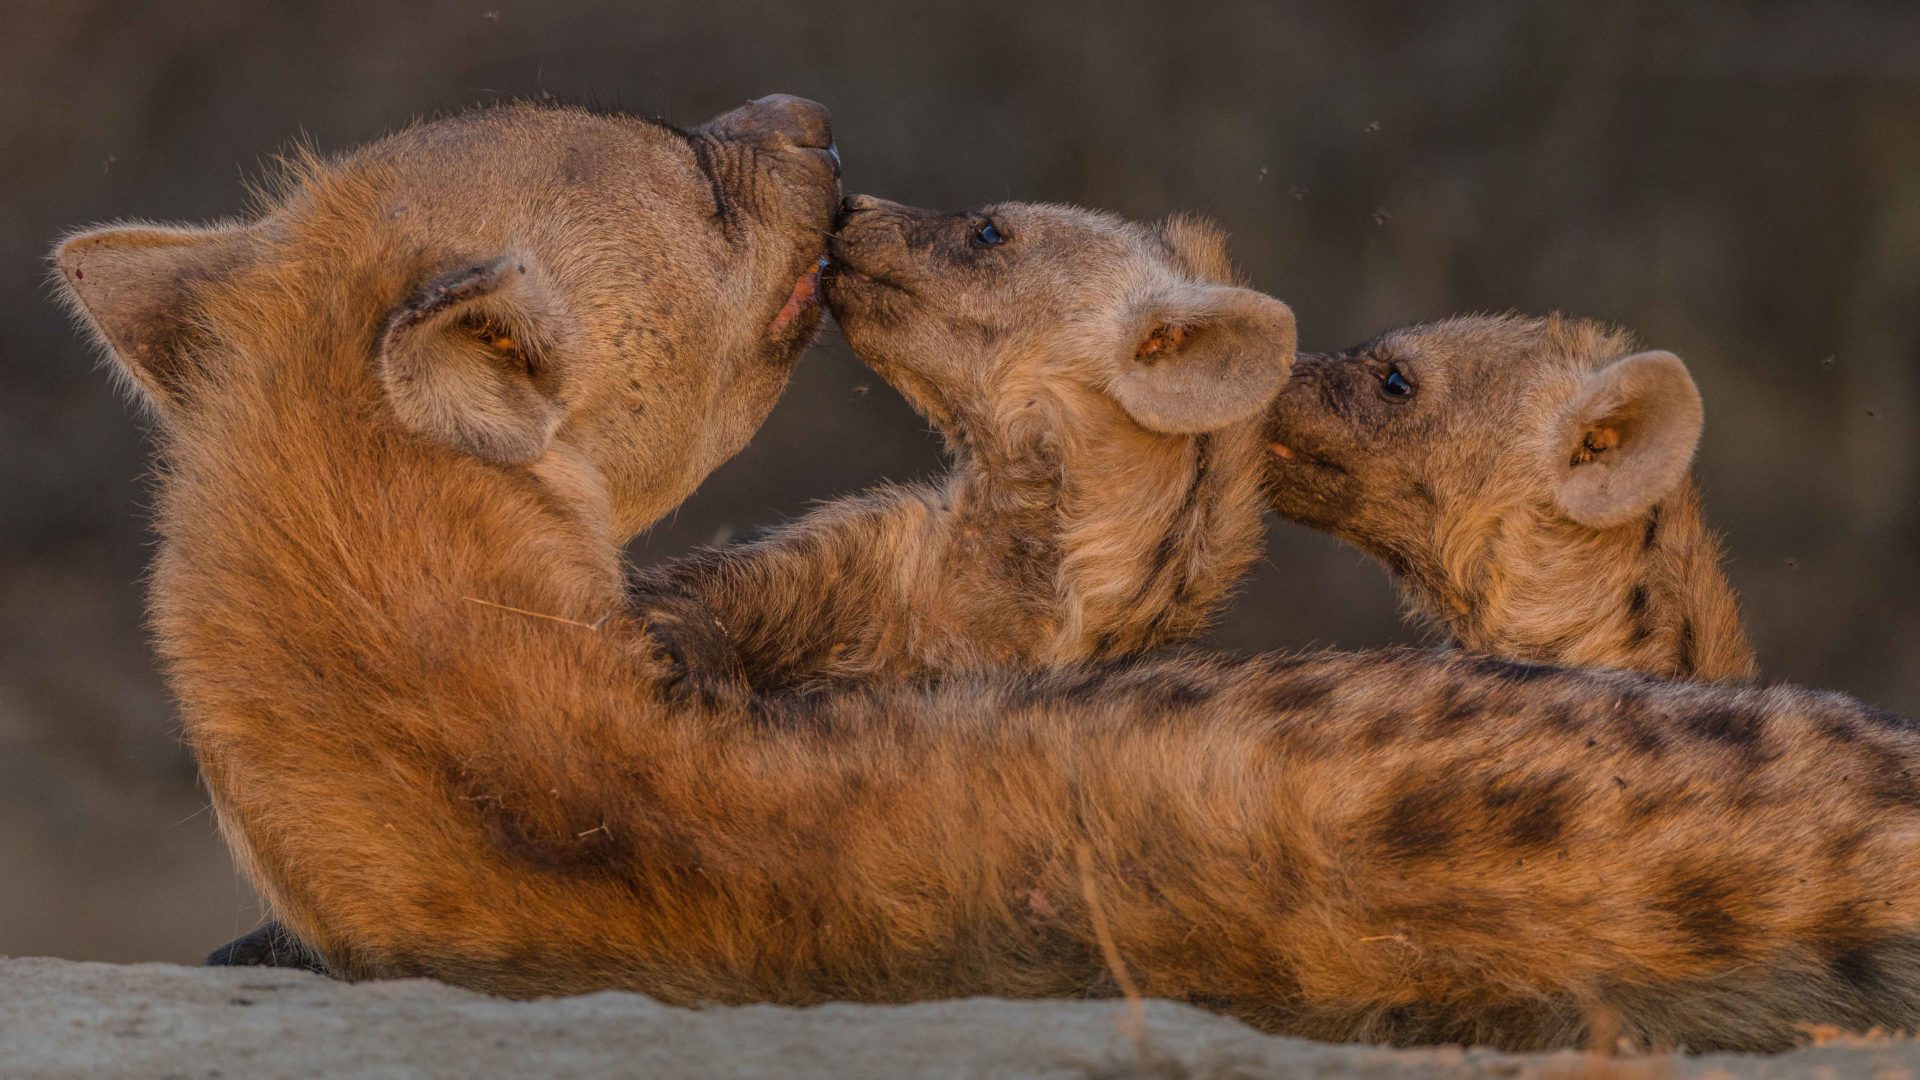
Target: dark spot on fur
1699,901
1842,847
1687,661
1299,692
1643,807
1742,728
796,714
1458,706
1512,671
1637,611
1179,693
1642,735
1857,961
1653,529
1385,728
1534,811
1839,728
1637,601
1420,822
1564,717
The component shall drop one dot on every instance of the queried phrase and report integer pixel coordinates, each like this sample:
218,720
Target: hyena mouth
804,298
844,273
1294,456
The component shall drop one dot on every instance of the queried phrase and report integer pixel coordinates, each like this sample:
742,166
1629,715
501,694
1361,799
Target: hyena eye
986,234
1395,385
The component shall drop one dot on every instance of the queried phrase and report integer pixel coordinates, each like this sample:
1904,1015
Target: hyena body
1527,482
1083,520
1406,846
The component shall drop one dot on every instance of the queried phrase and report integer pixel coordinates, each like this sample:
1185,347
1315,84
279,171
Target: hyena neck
1154,533
1110,547
1651,596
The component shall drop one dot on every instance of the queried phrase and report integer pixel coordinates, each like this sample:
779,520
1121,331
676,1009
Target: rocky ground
59,1018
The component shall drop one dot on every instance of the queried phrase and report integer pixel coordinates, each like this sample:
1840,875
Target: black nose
778,118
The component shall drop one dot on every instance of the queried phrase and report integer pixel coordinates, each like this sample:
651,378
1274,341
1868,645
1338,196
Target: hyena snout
777,119
872,237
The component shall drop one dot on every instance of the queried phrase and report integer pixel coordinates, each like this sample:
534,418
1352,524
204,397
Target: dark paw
269,946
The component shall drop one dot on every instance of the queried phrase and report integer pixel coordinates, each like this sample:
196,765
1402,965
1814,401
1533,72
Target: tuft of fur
511,795
1066,531
1532,496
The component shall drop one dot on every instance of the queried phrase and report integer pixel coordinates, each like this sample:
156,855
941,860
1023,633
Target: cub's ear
1628,439
1200,357
136,286
473,360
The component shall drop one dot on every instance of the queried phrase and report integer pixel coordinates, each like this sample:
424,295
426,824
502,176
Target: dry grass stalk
1135,1024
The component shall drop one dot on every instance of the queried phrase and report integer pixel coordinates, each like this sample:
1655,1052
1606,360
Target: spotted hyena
1099,385
390,601
1527,481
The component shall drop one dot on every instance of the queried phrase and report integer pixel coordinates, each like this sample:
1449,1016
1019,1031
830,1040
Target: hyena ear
1628,439
472,360
136,287
1199,357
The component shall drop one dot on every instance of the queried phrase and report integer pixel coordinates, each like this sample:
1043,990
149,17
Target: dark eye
1395,385
988,235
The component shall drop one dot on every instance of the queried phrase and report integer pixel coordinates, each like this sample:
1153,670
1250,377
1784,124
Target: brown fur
1459,489
1404,846
1067,531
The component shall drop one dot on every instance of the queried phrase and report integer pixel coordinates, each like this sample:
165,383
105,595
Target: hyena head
1507,468
1022,330
504,283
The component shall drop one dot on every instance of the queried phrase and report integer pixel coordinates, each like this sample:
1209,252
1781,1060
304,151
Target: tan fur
1404,846
1067,531
1462,491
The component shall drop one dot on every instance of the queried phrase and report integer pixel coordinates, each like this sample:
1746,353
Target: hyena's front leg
270,945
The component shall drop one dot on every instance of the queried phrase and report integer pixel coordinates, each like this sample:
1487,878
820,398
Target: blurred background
1738,182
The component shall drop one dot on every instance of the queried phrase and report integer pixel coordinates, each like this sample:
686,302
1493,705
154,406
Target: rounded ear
1201,357
134,286
1628,440
472,360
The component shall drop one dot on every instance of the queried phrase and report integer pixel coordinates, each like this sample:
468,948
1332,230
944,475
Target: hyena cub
1527,480
1100,386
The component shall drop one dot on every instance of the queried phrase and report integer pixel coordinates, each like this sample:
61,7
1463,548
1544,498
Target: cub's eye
988,235
1395,385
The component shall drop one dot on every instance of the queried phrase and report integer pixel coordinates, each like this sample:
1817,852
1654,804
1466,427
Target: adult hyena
1407,846
1099,385
1527,482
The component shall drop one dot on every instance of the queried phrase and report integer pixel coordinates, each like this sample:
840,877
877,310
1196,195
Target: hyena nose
783,117
854,203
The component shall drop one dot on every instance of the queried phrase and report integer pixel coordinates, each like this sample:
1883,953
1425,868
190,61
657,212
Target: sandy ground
61,1018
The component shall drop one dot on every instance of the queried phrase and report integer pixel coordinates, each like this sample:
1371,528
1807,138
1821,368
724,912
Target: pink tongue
804,291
